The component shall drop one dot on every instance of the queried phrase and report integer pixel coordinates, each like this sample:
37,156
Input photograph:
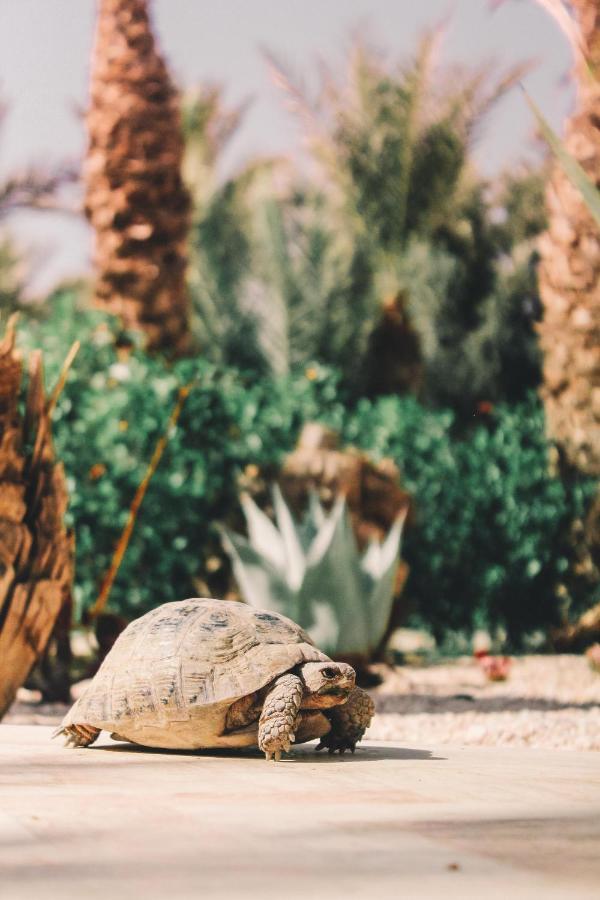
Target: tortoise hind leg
349,721
78,735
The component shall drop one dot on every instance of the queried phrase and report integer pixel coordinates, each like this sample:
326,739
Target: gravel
547,701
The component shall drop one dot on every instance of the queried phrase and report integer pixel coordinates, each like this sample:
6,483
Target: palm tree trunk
569,276
36,552
135,197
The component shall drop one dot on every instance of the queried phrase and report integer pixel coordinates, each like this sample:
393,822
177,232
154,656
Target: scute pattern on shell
191,653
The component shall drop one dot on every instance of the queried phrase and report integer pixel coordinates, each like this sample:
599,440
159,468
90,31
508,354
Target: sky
44,67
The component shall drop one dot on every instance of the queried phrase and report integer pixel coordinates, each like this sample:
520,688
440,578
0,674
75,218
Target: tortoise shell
175,661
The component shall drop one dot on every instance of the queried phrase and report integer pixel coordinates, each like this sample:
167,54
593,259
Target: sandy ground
394,820
547,701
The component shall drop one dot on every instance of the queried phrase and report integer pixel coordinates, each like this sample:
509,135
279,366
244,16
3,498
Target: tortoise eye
330,673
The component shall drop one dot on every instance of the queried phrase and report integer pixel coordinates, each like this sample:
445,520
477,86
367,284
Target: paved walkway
416,823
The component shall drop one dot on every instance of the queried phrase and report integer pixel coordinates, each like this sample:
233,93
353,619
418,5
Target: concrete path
116,822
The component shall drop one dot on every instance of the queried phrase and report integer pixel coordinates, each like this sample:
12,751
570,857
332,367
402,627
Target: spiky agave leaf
292,545
333,580
312,522
313,573
379,566
261,583
264,536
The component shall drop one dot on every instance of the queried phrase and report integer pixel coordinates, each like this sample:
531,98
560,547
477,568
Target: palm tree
570,272
396,141
394,147
135,197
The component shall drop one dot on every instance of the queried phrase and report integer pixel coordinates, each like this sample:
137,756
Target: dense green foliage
489,544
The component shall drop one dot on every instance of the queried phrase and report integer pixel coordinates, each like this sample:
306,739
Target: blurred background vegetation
393,296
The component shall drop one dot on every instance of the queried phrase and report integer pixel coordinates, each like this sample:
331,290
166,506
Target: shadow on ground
304,755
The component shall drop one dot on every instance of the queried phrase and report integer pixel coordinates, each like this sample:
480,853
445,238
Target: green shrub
106,424
489,544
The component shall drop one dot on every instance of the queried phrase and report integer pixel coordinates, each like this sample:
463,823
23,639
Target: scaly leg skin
78,735
348,722
280,716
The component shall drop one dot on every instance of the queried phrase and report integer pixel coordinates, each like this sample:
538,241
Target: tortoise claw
335,747
274,756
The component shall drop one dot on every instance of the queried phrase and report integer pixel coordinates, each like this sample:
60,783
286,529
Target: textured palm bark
36,552
135,197
569,275
348,723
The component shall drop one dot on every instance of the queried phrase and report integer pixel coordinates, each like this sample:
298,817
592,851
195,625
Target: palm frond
295,94
33,189
574,172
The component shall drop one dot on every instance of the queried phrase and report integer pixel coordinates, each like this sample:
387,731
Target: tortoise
204,673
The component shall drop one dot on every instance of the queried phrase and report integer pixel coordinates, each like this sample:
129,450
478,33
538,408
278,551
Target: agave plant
313,573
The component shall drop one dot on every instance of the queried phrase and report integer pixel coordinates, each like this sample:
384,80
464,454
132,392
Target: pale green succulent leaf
306,535
315,510
333,578
343,601
380,564
260,583
312,521
263,535
380,601
325,534
324,627
379,556
295,563
574,172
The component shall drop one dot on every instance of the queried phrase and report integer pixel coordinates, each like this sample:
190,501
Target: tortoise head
326,683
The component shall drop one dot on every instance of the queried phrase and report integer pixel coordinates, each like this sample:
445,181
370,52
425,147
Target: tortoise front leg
349,721
280,716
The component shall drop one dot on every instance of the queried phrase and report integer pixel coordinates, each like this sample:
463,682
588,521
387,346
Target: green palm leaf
571,168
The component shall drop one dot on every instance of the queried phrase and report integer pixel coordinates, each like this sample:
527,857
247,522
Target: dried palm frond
36,551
